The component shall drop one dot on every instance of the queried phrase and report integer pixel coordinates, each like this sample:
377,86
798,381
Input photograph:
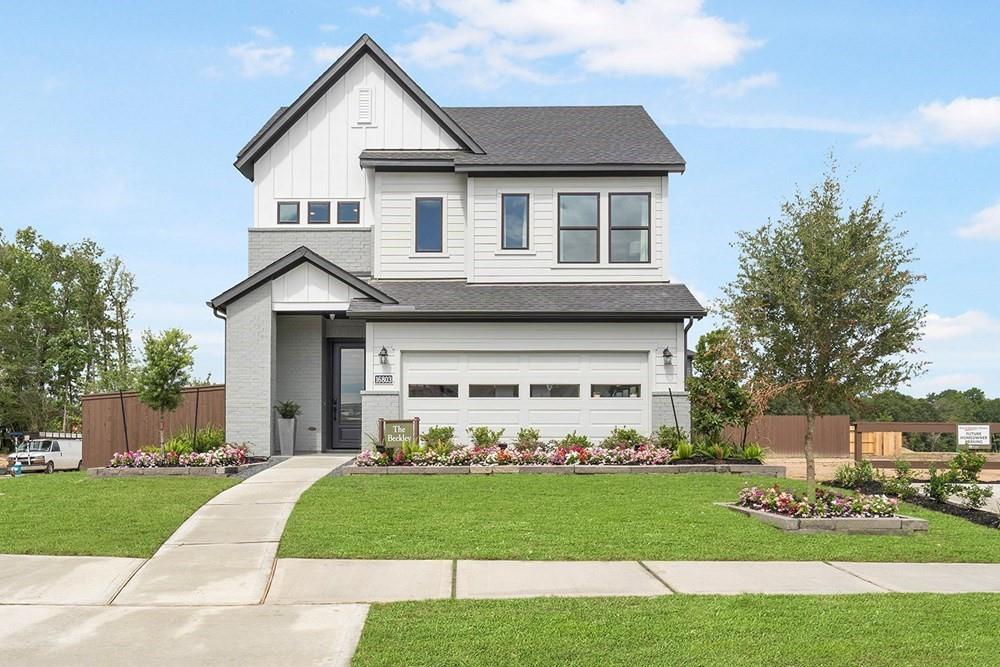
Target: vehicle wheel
50,468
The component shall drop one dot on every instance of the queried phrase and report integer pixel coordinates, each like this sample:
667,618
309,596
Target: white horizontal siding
317,158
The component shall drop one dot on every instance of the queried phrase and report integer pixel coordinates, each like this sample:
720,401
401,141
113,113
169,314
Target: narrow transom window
432,390
514,222
578,228
493,391
555,391
429,233
628,224
348,212
614,391
288,213
319,212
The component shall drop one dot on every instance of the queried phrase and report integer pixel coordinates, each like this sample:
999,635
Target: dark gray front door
348,366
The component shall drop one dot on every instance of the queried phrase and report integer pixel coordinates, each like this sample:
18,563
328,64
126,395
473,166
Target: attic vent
366,106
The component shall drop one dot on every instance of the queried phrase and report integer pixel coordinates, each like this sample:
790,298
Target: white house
500,266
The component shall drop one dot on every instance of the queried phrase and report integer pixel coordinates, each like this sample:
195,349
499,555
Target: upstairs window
578,225
429,232
628,224
348,212
514,222
288,213
319,213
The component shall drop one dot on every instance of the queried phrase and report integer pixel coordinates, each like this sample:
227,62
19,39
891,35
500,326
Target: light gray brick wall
663,414
250,364
350,248
300,376
373,406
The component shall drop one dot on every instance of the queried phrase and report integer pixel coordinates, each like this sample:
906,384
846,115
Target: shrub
183,441
901,484
669,436
940,485
961,479
574,440
719,451
828,504
484,436
682,450
975,496
752,452
852,476
288,409
177,445
440,439
528,438
624,437
967,465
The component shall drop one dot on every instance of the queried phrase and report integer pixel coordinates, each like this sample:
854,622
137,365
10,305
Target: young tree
167,365
822,305
715,389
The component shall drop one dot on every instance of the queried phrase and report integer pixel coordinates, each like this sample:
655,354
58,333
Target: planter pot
286,436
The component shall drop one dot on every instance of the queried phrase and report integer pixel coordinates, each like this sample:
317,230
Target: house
500,266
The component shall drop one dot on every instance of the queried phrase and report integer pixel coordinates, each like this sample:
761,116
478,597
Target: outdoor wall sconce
668,356
383,356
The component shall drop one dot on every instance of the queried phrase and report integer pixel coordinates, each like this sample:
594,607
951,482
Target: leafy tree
822,303
715,389
168,359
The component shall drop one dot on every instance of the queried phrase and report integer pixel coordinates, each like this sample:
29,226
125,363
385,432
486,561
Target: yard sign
397,431
974,436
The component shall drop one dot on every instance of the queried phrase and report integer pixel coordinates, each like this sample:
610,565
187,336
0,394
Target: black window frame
349,201
309,206
298,212
596,228
416,225
648,228
527,220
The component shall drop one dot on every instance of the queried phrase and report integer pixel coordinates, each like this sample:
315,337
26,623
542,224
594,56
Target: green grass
577,517
694,631
71,514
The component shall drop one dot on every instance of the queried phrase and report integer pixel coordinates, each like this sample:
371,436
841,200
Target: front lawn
71,514
585,517
833,631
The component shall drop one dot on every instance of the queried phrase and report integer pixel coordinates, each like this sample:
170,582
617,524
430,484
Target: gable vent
366,106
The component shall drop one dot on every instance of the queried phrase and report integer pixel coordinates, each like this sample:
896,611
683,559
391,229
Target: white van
48,454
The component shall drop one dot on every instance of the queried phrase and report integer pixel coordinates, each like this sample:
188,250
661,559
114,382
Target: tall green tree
716,388
168,359
822,304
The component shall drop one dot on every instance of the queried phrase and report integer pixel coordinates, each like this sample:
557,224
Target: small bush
752,452
682,450
484,436
901,484
669,436
853,476
574,440
624,437
967,465
288,409
440,439
975,496
528,438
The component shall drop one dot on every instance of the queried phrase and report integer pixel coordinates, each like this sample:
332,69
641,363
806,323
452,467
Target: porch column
250,365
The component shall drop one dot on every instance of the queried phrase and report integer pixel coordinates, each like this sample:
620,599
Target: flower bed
828,503
553,455
227,455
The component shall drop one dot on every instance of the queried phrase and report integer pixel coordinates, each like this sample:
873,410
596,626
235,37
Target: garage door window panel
615,391
432,391
555,391
493,391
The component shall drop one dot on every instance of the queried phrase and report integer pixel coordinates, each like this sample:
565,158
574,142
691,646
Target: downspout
687,327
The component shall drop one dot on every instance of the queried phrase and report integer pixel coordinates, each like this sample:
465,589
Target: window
433,390
492,391
578,225
555,391
288,213
614,391
348,212
55,446
628,224
429,231
514,222
319,212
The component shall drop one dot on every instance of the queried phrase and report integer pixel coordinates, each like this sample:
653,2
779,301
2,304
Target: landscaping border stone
876,525
191,471
730,468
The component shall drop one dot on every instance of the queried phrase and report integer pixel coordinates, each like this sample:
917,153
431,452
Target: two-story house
499,266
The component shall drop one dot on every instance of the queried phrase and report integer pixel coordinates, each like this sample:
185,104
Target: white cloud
262,32
970,323
965,121
256,60
983,225
325,55
497,40
371,12
781,122
746,84
934,383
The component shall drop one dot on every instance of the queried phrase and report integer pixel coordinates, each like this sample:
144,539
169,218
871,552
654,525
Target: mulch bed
982,517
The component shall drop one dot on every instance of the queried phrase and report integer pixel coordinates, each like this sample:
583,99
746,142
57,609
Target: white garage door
555,392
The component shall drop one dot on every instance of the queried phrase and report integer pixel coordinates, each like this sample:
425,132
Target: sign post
974,436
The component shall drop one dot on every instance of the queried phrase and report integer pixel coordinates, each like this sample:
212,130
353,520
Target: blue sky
121,123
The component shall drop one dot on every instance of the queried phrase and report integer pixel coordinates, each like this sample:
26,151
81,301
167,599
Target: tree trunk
810,457
743,440
162,451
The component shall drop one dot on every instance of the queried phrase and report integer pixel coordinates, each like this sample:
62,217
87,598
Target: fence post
857,443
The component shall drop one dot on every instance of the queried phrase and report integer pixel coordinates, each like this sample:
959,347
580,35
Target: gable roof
285,264
283,119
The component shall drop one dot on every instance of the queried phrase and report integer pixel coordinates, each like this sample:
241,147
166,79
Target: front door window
349,381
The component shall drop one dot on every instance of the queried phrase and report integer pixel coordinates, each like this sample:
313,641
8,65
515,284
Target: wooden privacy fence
785,435
107,416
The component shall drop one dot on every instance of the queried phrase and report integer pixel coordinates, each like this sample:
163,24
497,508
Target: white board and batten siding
525,354
317,158
540,261
307,288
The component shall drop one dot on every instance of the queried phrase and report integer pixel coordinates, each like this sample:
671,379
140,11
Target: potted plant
287,412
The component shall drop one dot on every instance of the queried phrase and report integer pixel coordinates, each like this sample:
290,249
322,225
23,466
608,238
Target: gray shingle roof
451,299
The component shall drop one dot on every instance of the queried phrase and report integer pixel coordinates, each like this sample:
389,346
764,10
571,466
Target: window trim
648,228
298,212
527,220
349,201
328,212
416,223
596,228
